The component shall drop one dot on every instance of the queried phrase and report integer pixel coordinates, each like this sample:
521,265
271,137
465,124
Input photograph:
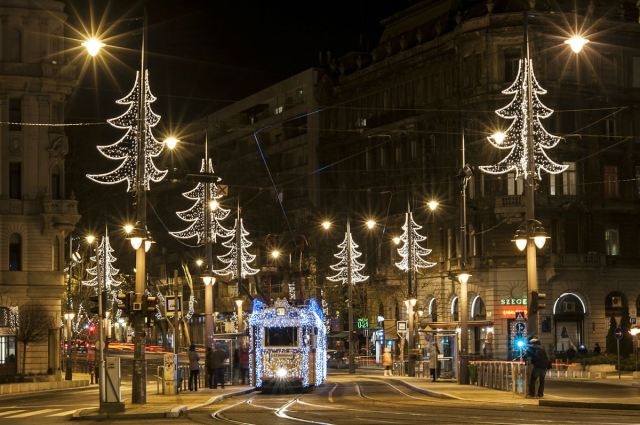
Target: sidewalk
168,406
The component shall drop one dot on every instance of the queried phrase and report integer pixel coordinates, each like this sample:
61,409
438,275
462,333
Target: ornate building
35,211
388,133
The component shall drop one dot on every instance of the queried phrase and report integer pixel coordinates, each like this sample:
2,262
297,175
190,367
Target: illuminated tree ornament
411,248
515,138
103,268
196,215
231,258
126,148
348,262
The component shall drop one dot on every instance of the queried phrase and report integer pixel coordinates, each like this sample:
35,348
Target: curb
589,405
173,412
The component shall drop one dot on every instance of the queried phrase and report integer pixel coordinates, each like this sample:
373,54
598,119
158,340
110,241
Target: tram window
285,336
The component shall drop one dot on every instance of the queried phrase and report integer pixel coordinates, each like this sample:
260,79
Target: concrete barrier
28,387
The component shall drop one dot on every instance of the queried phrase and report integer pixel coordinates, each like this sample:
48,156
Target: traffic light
149,306
124,303
94,308
537,301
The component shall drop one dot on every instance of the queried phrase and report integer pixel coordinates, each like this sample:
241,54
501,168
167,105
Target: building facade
35,211
385,133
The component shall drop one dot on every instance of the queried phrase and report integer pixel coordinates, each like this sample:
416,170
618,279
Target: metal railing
500,375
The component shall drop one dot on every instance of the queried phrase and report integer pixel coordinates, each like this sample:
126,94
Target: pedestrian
243,362
537,356
194,368
597,349
208,362
218,359
387,361
433,360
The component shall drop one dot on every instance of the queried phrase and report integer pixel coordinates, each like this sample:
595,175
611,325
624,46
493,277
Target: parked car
336,360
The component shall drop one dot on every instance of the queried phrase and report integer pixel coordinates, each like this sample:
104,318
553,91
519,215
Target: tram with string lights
288,346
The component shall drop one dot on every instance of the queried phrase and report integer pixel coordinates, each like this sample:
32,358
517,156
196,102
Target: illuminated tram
288,346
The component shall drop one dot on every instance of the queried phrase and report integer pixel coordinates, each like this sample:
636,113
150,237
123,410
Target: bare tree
31,326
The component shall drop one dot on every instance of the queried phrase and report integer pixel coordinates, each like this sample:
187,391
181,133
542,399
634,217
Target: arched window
455,316
5,317
433,310
478,309
15,252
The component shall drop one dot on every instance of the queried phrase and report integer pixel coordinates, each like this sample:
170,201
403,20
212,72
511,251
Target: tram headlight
281,372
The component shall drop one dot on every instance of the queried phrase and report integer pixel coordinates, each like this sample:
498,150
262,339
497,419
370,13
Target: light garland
126,148
415,251
231,257
348,262
309,321
103,268
516,137
196,215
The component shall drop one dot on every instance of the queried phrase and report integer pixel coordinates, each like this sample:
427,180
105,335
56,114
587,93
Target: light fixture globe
576,42
539,237
208,278
520,239
463,277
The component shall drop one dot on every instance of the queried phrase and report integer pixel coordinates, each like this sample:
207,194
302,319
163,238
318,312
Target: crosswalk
27,413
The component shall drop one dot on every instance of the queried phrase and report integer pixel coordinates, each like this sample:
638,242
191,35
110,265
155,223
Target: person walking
537,356
433,360
387,361
218,359
194,368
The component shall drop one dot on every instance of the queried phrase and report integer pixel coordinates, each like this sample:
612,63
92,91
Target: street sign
520,316
619,333
401,326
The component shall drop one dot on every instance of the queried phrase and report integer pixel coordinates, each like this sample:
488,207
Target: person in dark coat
539,361
194,368
208,362
243,363
218,358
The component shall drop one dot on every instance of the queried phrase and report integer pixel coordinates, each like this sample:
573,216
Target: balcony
510,206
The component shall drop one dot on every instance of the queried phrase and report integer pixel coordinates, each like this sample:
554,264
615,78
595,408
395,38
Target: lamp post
74,257
463,276
240,318
635,331
410,304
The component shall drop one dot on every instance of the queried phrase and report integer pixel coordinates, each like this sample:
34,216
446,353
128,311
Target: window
15,252
514,186
15,114
56,185
12,45
511,62
612,243
433,310
610,180
569,180
278,110
636,72
15,180
454,310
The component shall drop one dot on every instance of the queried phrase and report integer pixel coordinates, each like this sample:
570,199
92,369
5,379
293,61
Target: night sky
202,55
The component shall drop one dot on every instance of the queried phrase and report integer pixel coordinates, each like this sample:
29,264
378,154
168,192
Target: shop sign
513,301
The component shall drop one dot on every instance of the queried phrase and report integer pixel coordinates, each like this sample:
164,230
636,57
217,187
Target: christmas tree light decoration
516,137
348,265
127,149
197,214
411,252
103,268
237,259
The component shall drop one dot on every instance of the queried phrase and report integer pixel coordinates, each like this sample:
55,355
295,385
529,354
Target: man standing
217,361
539,364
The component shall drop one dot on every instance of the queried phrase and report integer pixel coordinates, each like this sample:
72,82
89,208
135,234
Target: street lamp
74,257
635,331
527,157
410,304
348,272
240,319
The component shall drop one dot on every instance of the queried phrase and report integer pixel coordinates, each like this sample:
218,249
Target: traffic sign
619,333
401,326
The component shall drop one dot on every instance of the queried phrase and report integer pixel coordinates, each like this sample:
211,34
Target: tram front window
282,337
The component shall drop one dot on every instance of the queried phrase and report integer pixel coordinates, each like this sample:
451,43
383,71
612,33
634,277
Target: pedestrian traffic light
536,298
94,307
149,306
123,303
